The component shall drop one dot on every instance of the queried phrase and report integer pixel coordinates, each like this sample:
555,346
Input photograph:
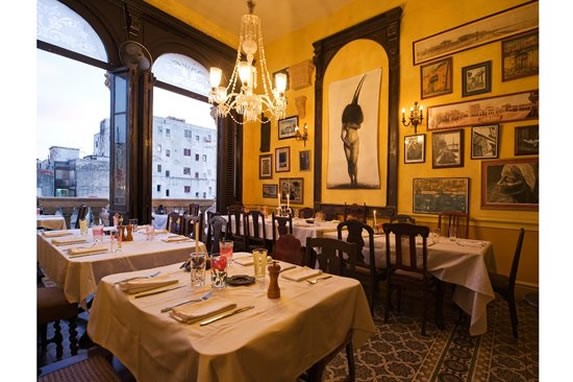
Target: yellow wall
420,19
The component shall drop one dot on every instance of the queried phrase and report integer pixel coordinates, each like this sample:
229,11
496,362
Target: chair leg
513,314
440,306
350,358
73,337
57,339
388,302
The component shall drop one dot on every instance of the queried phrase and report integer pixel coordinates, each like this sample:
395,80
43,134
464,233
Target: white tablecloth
463,263
276,341
53,222
79,276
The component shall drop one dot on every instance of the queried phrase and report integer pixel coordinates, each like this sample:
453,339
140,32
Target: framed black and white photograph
282,159
266,166
510,184
527,140
287,127
485,142
294,188
476,79
304,160
415,148
448,149
435,195
270,191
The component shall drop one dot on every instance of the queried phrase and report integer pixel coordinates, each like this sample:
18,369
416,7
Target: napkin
56,233
193,312
175,238
300,274
467,243
246,258
161,231
141,285
80,251
69,240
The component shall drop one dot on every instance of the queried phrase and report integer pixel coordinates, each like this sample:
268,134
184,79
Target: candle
403,113
374,218
196,237
279,199
288,199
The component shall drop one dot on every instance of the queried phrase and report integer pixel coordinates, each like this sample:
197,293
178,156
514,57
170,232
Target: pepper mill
122,233
129,231
274,290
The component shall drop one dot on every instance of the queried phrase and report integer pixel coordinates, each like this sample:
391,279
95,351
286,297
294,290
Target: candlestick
196,237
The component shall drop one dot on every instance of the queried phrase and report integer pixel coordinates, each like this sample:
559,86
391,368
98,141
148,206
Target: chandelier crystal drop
239,95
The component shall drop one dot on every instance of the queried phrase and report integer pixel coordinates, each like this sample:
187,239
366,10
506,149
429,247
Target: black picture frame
282,159
527,140
510,184
304,160
435,195
520,56
287,127
485,142
448,149
266,166
436,78
270,191
476,79
415,148
295,188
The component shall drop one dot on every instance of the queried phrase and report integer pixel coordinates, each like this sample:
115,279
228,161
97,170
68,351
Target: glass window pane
183,72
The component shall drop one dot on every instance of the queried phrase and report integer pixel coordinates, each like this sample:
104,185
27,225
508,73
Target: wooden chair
255,230
336,257
402,218
505,285
235,230
369,274
355,211
215,231
306,213
194,209
454,222
175,223
52,307
288,248
82,212
404,268
189,224
281,225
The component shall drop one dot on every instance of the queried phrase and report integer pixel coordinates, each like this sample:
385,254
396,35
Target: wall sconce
302,136
416,116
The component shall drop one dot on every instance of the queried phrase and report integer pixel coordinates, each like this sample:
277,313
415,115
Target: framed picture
482,31
435,195
266,166
287,127
527,140
270,190
448,149
294,188
511,184
282,159
436,78
304,160
520,56
485,142
505,108
476,79
415,148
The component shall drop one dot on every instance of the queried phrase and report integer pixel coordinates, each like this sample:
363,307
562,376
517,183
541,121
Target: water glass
260,262
218,271
452,233
226,249
198,261
115,241
133,223
149,233
97,231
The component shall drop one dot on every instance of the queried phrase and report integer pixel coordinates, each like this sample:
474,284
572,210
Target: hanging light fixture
239,95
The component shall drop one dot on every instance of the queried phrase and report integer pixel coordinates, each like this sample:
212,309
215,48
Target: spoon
312,282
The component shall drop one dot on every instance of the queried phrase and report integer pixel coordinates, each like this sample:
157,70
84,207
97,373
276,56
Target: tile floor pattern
398,351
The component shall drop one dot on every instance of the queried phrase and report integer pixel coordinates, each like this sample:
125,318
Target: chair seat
52,305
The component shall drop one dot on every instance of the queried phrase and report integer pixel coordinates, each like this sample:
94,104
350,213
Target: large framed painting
353,139
520,56
485,142
436,78
448,149
483,111
527,140
294,187
435,195
266,166
510,184
482,31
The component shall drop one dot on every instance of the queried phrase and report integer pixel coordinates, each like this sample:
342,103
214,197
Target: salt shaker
274,290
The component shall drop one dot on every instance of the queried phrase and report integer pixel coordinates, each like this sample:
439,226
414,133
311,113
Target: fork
202,298
312,282
138,277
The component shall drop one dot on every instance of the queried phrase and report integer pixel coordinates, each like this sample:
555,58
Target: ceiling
278,17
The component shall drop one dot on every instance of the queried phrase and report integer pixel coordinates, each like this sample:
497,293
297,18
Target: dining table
462,262
77,263
51,222
276,339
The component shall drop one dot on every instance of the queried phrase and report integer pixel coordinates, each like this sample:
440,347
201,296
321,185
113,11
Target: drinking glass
198,263
226,249
115,241
452,233
218,271
133,223
260,262
97,231
435,235
83,227
149,233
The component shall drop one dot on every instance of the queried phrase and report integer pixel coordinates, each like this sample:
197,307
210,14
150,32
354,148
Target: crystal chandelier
240,92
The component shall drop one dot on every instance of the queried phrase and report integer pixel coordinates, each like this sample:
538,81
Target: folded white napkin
175,238
300,274
56,233
80,251
141,285
161,231
69,240
468,243
196,311
246,258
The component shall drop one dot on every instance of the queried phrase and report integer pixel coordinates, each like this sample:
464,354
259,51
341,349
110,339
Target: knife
158,291
217,318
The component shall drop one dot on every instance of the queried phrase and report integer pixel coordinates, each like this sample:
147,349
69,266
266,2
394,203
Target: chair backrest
82,212
288,248
215,225
254,225
334,256
403,247
305,213
454,222
353,229
402,218
194,209
516,257
189,224
281,225
355,211
174,222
